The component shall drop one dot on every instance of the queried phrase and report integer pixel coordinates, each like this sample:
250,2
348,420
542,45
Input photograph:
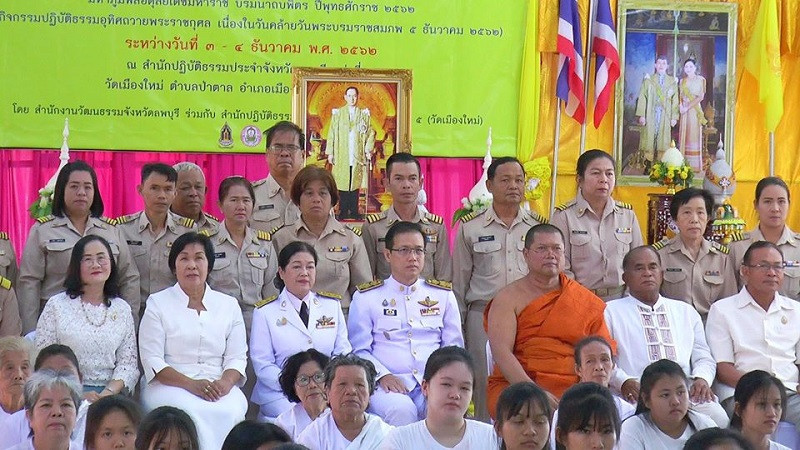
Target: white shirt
28,445
478,435
294,421
624,409
323,434
197,345
102,337
741,332
670,329
640,433
776,446
16,429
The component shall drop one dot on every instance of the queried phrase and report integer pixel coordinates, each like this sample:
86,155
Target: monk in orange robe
534,323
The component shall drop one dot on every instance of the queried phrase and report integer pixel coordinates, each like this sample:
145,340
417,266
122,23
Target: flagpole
587,71
557,136
772,153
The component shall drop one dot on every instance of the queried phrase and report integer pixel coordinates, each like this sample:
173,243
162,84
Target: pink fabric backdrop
23,172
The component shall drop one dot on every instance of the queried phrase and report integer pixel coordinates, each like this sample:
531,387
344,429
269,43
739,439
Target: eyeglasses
405,252
100,260
278,148
303,380
767,267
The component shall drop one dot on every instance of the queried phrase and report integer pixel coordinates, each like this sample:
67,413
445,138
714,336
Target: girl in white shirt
718,438
447,386
523,417
760,399
663,420
587,418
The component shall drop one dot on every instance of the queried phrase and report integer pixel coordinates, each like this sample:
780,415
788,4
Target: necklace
86,314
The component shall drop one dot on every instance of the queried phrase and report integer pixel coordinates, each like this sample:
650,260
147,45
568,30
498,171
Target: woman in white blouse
193,345
760,400
91,319
303,380
296,320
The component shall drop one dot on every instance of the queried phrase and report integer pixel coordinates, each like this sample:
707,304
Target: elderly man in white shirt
648,327
757,329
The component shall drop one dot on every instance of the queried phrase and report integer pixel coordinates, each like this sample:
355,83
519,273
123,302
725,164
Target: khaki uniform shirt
699,283
246,274
789,243
207,222
272,208
438,263
342,259
8,258
45,259
151,253
10,324
488,255
594,248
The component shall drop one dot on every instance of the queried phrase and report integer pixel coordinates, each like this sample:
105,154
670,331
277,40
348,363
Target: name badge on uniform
263,207
57,240
338,249
674,269
430,311
256,254
325,322
431,238
383,239
485,238
713,273
134,242
389,312
790,263
579,232
219,255
624,230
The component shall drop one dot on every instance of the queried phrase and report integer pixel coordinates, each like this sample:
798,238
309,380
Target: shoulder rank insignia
468,217
446,285
260,182
208,233
210,217
356,230
434,218
623,205
45,219
263,235
739,236
566,205
3,235
108,220
372,218
5,283
538,217
186,222
660,244
721,247
369,285
124,219
266,301
272,231
329,295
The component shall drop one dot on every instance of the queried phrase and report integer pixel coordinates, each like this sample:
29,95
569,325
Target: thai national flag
569,86
604,45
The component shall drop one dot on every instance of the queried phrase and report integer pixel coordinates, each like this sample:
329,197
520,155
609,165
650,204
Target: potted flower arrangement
672,170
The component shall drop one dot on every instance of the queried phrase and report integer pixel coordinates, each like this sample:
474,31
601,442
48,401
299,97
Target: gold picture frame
379,117
674,32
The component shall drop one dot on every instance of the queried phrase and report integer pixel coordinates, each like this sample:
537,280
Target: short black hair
73,284
652,374
587,157
748,254
748,386
626,260
286,254
402,227
105,406
160,422
351,359
499,162
683,196
710,437
586,341
232,181
351,87
545,228
285,125
161,169
58,210
250,435
518,396
292,365
444,356
584,402
401,158
771,181
185,239
57,350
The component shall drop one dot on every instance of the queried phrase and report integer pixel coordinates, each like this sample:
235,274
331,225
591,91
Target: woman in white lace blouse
90,318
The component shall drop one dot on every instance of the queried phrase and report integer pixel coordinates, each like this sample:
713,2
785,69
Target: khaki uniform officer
343,262
487,257
151,252
46,257
438,263
789,243
272,208
246,274
595,248
701,281
10,324
8,258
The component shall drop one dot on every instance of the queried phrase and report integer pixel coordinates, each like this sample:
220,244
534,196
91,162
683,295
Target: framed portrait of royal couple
354,119
677,84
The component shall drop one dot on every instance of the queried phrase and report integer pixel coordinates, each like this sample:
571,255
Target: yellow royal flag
763,60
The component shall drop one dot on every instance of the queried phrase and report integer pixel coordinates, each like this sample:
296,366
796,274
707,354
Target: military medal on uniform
430,307
325,322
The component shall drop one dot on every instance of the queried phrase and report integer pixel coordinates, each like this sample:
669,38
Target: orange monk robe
547,331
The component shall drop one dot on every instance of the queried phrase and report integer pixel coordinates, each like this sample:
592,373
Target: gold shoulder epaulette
434,218
124,219
446,285
108,220
45,219
5,283
623,205
3,235
660,244
329,295
266,301
538,217
263,235
739,236
210,217
566,205
721,247
369,285
272,231
468,217
207,233
372,218
186,222
356,230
